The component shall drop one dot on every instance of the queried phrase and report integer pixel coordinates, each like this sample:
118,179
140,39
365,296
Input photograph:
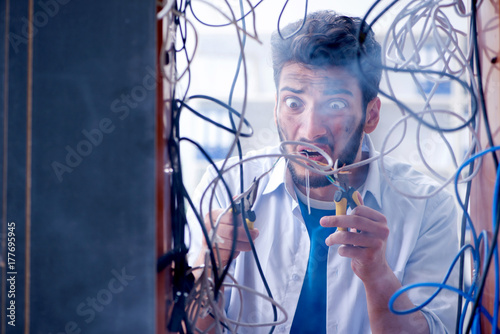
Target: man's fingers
226,232
363,239
367,212
360,198
227,219
360,223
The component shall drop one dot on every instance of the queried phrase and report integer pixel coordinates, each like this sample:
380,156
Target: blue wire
469,296
494,221
474,157
478,294
440,286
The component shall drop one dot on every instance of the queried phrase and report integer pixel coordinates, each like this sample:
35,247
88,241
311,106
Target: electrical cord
301,25
406,66
453,63
462,243
461,10
480,81
207,119
251,11
474,294
475,141
493,247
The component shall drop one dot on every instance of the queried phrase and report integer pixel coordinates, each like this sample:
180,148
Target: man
329,280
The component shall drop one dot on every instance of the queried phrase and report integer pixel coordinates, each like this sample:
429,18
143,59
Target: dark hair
329,39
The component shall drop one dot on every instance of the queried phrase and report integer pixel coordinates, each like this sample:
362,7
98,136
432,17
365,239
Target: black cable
240,156
180,285
301,25
205,118
179,194
372,7
165,259
462,242
223,24
462,233
178,224
491,250
419,119
477,299
181,32
219,279
364,28
477,56
179,221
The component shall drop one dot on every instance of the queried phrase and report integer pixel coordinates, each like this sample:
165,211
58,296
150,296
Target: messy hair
329,39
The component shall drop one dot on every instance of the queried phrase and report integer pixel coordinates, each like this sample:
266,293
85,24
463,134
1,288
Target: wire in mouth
310,153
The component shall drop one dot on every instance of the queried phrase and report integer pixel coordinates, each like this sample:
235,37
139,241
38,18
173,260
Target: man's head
329,39
327,84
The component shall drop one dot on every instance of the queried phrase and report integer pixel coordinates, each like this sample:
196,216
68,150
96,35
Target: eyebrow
328,91
293,90
336,91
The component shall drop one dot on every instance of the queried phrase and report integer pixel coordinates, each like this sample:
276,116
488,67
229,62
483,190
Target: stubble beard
346,157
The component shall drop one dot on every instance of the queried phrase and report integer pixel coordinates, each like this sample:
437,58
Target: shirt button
281,328
295,277
335,326
303,228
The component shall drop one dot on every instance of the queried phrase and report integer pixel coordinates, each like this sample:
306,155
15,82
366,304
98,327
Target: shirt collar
372,182
280,176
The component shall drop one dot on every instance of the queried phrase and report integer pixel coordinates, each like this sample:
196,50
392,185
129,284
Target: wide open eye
293,103
337,105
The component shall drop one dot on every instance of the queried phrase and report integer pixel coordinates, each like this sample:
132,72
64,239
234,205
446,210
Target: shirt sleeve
431,260
207,191
203,194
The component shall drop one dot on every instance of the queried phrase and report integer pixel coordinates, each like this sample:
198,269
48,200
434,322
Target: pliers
248,199
346,197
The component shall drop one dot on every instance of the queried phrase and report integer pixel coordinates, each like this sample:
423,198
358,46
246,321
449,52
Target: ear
372,115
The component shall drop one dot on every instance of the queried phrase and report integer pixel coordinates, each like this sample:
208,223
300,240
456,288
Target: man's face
322,107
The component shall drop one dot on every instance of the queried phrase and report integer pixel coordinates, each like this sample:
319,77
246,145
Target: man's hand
366,248
225,236
367,251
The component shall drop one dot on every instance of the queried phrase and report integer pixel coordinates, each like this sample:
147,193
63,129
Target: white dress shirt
420,247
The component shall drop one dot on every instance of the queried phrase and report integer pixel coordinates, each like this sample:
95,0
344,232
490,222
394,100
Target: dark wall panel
92,249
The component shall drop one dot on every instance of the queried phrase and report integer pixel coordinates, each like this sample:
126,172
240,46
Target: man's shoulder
407,179
254,161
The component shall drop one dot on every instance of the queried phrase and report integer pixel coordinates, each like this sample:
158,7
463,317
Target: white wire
451,59
201,299
451,178
167,6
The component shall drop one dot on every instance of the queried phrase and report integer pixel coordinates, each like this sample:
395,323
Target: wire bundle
418,26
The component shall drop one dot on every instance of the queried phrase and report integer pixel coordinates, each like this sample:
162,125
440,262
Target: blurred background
215,61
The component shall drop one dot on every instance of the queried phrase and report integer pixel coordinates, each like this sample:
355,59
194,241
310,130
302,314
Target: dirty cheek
344,125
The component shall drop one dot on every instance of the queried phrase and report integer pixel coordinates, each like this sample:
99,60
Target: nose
313,124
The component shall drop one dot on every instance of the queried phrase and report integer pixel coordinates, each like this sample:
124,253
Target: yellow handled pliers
346,197
248,199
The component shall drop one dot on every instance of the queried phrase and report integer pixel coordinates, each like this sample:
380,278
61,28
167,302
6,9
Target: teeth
310,152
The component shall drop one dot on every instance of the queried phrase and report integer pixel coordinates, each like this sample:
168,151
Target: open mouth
312,154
